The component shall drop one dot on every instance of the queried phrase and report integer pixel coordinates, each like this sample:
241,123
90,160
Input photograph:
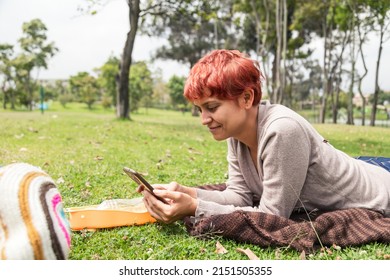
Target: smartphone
141,181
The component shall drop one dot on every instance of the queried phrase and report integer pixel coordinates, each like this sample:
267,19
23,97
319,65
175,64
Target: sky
86,42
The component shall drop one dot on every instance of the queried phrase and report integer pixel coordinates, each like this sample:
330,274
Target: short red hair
225,74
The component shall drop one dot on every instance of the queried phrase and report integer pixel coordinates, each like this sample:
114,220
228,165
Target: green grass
84,151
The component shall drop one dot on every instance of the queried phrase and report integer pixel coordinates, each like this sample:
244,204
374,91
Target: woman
274,154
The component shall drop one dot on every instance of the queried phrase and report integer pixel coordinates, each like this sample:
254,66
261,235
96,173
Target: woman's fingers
177,208
150,201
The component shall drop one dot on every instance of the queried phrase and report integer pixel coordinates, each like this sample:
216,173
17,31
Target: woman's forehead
205,100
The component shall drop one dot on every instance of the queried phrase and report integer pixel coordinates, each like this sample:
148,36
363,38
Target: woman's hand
173,186
180,202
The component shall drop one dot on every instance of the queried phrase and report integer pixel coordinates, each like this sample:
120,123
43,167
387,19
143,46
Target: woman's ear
247,98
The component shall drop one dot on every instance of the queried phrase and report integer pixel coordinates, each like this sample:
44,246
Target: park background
82,109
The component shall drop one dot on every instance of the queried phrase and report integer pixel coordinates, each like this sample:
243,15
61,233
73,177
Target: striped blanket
33,224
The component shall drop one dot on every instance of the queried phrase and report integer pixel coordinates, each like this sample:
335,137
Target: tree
318,17
380,11
160,96
195,29
123,103
107,79
156,9
6,68
63,94
141,85
85,87
176,89
36,53
363,28
147,11
257,23
268,31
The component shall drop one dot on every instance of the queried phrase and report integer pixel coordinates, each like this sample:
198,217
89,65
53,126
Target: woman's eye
212,109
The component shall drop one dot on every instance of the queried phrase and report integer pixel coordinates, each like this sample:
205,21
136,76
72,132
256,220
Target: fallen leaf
336,247
85,194
193,151
220,249
60,180
277,254
31,129
202,250
302,256
249,253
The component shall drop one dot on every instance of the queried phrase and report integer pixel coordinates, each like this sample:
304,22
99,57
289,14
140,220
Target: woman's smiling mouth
212,129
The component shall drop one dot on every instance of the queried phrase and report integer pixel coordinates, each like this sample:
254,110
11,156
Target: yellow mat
109,214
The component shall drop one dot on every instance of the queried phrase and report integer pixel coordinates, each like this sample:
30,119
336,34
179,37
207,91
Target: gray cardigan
297,168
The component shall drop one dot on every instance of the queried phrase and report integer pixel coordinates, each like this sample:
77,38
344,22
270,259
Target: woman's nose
205,118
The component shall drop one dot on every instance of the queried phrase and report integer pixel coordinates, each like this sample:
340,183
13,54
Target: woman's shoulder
280,120
279,116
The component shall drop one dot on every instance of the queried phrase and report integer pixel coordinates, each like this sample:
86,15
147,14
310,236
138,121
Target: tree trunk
277,60
350,98
284,53
376,93
325,82
336,104
336,94
5,96
326,58
352,84
123,104
361,41
29,92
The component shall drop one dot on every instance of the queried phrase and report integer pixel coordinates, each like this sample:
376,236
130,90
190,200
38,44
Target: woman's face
224,118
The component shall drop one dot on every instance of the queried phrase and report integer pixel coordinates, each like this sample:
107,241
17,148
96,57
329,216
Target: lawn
84,151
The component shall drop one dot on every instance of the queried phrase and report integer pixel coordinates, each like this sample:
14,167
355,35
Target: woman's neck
249,131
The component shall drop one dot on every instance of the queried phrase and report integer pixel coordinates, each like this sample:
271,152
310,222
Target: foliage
85,87
17,70
36,52
107,79
384,98
140,86
6,53
160,97
192,28
84,151
208,20
176,89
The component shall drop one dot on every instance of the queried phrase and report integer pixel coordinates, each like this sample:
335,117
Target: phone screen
141,181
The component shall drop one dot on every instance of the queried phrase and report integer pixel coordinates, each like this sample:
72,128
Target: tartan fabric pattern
343,228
